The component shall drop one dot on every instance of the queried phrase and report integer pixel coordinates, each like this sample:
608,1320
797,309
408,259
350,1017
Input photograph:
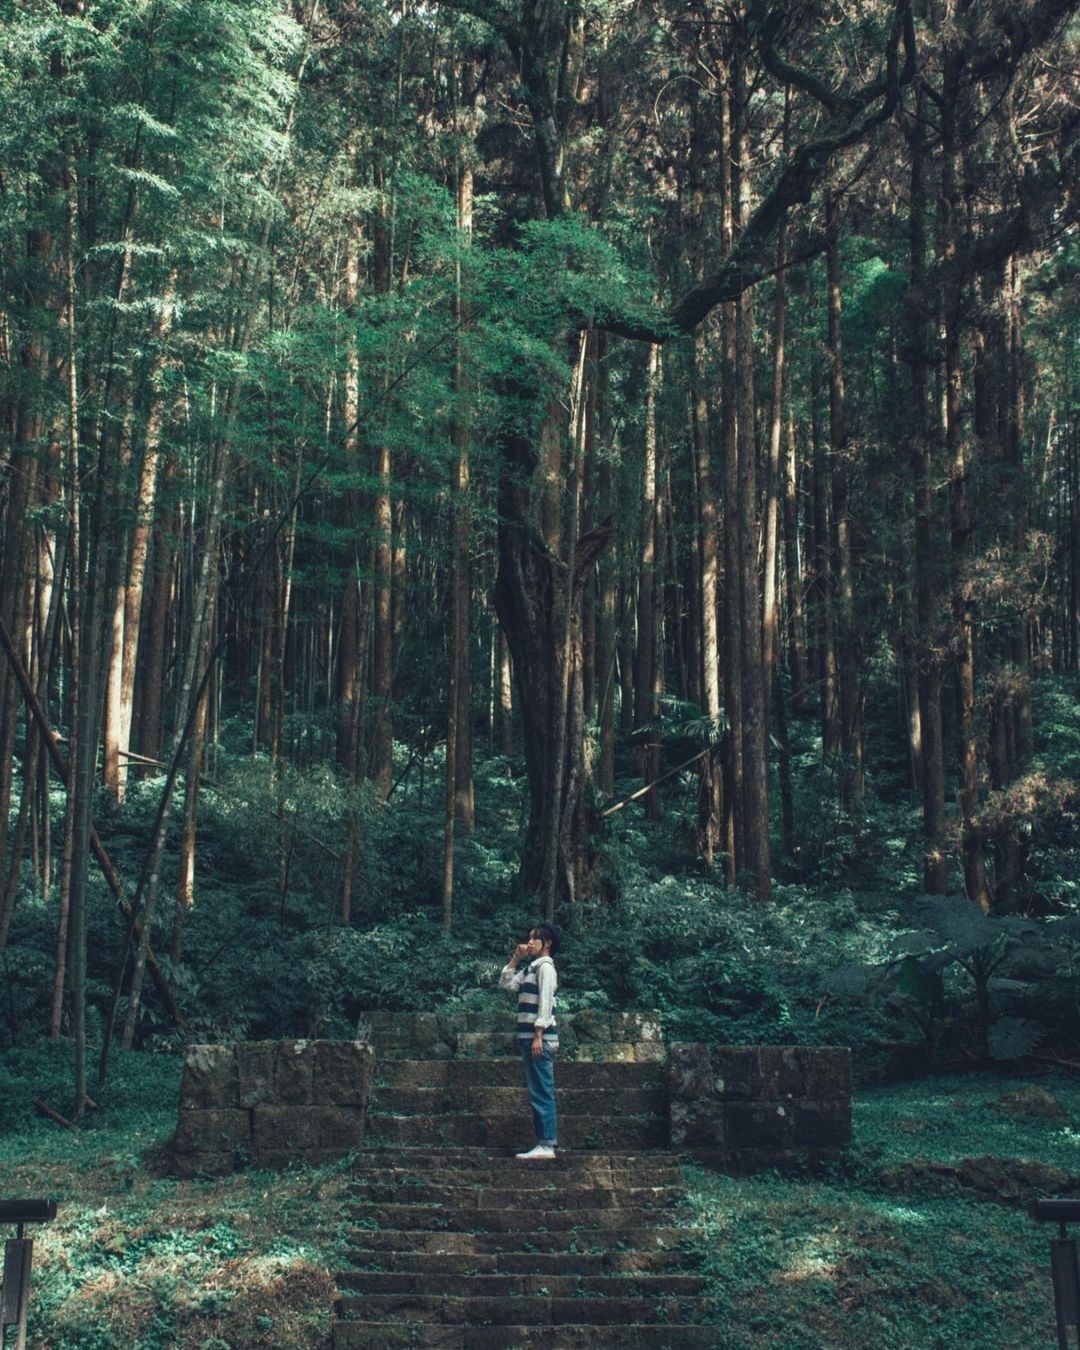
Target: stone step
522,1311
575,1131
600,1241
521,1220
491,1101
477,1158
384,1335
458,1264
468,1195
355,1283
508,1073
543,1181
483,1045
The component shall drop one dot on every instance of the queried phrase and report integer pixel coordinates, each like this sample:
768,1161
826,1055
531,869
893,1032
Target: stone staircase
457,1243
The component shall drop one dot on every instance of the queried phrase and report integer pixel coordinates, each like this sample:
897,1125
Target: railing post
1064,1268
18,1257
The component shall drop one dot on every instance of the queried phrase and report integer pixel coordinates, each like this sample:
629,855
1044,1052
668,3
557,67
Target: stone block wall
269,1103
586,1035
744,1107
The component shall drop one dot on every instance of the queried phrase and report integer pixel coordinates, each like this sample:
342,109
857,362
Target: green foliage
976,982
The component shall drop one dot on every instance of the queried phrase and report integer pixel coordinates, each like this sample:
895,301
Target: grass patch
140,1261
137,1260
837,1263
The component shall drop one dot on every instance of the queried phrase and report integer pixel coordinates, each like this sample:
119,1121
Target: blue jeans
540,1080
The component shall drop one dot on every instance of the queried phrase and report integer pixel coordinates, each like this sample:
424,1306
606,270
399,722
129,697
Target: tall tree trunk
793,581
382,762
734,775
824,595
851,743
120,686
963,605
459,797
774,483
464,796
928,639
756,856
646,709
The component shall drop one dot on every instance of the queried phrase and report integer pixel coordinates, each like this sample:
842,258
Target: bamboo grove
580,382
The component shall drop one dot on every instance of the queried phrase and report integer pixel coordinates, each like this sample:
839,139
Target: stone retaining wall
590,1034
268,1103
743,1107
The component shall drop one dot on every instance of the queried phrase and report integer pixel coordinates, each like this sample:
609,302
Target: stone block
293,1073
689,1071
649,1052
287,1129
821,1124
780,1072
758,1124
189,1165
636,1026
339,1127
826,1072
210,1078
735,1071
342,1073
619,1052
212,1131
697,1125
592,1025
255,1067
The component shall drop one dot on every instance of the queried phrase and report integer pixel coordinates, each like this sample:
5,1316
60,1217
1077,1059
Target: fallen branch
46,1110
610,811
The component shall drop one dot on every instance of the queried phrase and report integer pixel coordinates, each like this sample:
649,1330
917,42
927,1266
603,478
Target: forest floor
905,1243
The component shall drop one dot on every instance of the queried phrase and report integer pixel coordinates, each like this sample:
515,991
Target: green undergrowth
845,1261
137,1260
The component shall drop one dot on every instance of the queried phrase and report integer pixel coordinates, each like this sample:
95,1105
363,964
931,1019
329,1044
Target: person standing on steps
537,1032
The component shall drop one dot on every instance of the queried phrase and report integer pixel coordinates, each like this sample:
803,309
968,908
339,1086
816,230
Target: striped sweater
535,987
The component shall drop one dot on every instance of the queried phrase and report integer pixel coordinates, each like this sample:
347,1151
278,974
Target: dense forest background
471,460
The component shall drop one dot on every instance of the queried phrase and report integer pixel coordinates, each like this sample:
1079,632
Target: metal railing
1064,1269
18,1255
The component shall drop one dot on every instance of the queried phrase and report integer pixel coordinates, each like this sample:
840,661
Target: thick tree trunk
963,604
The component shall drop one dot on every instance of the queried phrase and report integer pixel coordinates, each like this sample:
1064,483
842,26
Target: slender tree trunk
464,796
382,763
459,797
733,525
793,581
825,637
756,858
710,789
771,619
928,641
851,744
646,708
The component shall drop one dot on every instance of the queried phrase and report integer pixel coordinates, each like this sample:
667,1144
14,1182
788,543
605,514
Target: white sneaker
540,1151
